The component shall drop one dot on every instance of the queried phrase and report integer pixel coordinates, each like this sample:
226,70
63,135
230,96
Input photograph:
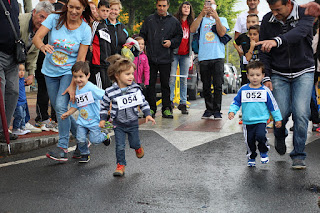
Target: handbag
20,49
195,40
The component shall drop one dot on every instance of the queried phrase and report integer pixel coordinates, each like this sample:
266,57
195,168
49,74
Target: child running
87,102
256,100
125,95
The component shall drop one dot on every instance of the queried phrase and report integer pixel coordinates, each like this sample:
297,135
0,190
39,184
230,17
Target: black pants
99,77
212,71
43,100
164,70
253,133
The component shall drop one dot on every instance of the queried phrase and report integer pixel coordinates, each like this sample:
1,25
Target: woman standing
182,55
117,30
69,39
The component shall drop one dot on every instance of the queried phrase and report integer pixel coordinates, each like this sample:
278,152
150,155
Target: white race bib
84,99
104,36
254,96
129,100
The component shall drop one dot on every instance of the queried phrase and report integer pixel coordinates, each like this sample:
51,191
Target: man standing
211,56
285,39
162,33
30,23
8,65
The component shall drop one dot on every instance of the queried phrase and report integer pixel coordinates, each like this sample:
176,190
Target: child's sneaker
119,170
264,157
251,163
32,128
19,132
58,154
139,152
107,141
84,159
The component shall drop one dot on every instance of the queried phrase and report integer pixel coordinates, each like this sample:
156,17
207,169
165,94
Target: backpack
195,40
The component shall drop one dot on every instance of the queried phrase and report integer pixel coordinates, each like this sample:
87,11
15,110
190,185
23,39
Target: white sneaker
26,130
49,125
19,132
33,129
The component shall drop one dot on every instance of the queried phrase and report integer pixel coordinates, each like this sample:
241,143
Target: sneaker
217,116
264,157
19,132
280,146
251,163
298,164
183,108
140,152
26,130
49,125
119,170
84,159
107,141
206,115
167,113
76,153
32,128
58,154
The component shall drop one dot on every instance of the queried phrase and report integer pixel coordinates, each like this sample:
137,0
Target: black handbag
20,49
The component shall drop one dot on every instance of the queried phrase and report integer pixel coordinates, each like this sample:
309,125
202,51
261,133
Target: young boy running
256,101
88,98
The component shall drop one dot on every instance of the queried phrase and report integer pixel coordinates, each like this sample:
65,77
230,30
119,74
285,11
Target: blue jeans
120,136
19,117
184,64
95,137
56,86
293,97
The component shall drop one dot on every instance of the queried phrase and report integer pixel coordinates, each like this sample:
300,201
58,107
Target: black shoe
11,137
280,146
107,141
84,159
217,115
206,115
183,109
298,164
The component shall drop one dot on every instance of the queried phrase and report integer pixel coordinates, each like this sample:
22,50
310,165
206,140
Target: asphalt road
210,177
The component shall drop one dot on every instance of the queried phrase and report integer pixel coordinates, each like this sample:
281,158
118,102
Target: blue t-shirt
66,45
89,115
210,46
22,93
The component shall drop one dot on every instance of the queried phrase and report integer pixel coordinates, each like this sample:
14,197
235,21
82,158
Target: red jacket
142,73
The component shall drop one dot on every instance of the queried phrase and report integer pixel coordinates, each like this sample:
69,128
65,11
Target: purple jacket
143,69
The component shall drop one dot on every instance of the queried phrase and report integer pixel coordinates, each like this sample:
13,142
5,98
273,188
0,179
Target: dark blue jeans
19,117
120,136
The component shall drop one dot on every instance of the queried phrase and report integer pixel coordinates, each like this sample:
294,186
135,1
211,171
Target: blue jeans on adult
19,117
293,97
56,86
95,137
184,63
120,136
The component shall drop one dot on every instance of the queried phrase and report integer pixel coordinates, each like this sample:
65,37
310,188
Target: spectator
30,23
289,73
93,8
211,57
118,33
160,45
62,51
8,66
182,56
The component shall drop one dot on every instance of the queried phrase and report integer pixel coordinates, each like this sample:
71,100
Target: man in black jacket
8,65
162,33
285,39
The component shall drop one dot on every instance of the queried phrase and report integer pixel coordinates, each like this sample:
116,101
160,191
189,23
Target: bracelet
42,46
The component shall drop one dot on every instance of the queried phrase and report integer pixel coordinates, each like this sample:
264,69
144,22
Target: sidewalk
30,141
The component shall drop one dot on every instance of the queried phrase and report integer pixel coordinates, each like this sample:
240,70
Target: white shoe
19,132
32,128
49,125
26,130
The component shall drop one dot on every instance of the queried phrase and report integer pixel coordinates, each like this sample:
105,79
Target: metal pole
4,120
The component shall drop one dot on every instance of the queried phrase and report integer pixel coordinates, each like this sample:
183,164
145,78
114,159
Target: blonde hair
118,64
115,2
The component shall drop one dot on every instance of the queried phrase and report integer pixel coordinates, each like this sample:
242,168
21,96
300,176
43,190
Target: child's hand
102,123
149,118
231,115
64,116
278,124
252,43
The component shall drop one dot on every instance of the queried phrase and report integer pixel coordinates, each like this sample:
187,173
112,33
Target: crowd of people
81,55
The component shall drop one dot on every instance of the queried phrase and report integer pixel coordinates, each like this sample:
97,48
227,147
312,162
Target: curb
28,144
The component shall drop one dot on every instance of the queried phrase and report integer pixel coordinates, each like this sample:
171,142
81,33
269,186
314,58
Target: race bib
129,100
254,96
104,36
84,99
